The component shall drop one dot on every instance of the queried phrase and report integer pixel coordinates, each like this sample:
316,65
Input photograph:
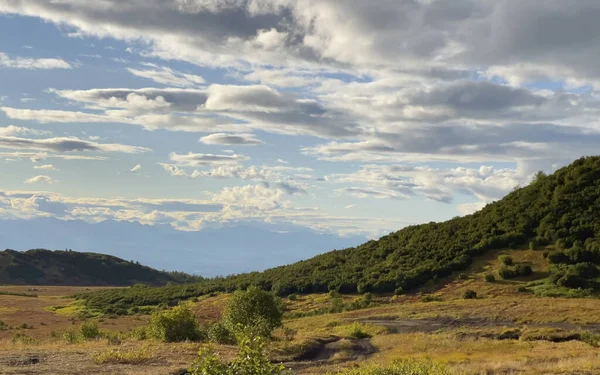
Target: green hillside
45,267
561,209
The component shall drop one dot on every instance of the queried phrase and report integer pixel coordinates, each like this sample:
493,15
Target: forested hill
561,209
45,267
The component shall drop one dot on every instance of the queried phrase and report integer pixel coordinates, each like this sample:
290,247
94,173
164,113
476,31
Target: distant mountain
44,267
210,252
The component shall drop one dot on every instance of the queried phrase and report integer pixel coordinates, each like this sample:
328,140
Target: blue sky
342,117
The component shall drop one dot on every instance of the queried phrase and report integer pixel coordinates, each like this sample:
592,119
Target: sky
353,118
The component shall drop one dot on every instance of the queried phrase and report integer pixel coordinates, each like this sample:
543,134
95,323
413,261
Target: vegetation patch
409,367
124,356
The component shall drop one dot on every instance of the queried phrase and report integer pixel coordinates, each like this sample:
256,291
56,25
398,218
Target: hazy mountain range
209,252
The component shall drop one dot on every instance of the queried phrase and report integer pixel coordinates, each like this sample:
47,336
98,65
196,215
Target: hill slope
45,267
563,208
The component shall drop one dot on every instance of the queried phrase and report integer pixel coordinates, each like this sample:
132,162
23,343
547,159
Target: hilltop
560,209
45,267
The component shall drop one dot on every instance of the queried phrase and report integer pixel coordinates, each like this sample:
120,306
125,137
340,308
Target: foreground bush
256,310
220,334
410,367
174,325
252,359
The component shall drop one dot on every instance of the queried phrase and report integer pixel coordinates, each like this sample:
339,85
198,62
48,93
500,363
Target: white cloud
67,144
41,179
11,131
230,139
136,169
30,64
168,76
196,160
47,167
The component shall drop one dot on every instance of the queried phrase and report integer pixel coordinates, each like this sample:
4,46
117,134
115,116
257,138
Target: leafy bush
174,325
139,333
408,367
490,278
89,331
506,260
293,297
256,309
515,271
3,326
470,294
220,334
252,359
71,336
357,330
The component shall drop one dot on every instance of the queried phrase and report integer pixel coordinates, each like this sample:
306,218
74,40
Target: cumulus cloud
230,139
30,64
41,179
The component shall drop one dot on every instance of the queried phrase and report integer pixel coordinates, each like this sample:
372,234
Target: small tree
506,260
174,325
254,309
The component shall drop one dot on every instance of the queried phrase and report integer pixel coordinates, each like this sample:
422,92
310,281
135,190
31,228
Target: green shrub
174,325
3,326
506,260
252,359
516,271
470,294
25,326
293,297
490,278
357,331
463,276
89,331
123,356
220,334
71,336
139,333
254,309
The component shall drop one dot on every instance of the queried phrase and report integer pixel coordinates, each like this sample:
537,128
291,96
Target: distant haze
210,252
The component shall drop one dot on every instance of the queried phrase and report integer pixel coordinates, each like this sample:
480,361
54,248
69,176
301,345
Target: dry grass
469,348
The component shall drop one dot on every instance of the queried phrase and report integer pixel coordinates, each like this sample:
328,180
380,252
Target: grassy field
507,329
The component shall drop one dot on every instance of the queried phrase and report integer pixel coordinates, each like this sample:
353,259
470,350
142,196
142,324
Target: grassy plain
506,330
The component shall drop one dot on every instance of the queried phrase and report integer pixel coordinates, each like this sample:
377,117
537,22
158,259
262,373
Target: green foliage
490,278
254,308
408,367
139,333
506,260
18,294
174,325
469,294
89,331
293,297
3,326
25,326
220,334
357,331
511,272
252,359
562,208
